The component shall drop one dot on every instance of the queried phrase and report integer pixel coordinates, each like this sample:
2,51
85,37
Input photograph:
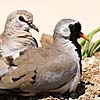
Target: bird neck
71,48
68,44
10,31
11,43
78,50
13,32
78,47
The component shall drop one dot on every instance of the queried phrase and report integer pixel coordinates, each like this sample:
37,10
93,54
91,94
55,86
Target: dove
53,69
16,36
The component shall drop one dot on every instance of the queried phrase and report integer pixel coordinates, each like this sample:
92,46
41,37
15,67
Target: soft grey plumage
16,36
52,69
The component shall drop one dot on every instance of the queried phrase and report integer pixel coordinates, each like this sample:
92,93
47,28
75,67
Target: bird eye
66,37
71,26
21,18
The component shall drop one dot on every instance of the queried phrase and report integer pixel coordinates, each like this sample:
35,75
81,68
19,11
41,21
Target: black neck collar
78,50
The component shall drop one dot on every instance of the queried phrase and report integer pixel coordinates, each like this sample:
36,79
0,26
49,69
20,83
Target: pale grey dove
16,36
55,69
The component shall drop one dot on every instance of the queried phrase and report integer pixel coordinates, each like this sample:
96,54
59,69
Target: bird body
16,36
52,68
56,68
4,67
16,44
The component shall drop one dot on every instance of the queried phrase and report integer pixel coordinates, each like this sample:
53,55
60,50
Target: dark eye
21,18
66,37
71,26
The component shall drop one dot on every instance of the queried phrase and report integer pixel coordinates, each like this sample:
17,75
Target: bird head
21,20
68,29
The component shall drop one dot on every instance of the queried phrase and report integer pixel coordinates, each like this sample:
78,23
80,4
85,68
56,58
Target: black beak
34,27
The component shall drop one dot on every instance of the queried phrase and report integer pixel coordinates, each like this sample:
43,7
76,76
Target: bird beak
34,27
84,36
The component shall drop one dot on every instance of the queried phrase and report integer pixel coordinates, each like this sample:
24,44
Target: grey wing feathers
57,73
